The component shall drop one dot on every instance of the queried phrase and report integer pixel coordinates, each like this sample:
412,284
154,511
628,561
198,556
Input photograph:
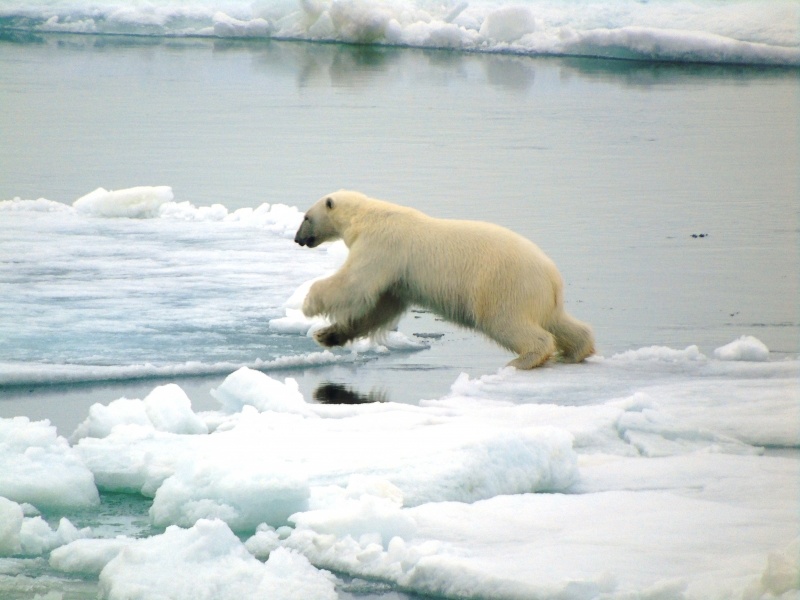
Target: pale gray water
610,166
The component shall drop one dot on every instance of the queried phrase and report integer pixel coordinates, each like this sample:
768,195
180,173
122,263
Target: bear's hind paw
530,360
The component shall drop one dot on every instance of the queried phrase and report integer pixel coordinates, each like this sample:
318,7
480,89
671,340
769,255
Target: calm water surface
612,167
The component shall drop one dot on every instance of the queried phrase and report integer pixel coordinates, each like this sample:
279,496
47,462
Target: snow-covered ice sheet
637,475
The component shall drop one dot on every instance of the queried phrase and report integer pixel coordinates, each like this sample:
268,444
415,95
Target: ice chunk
263,542
169,409
782,574
11,517
32,536
243,489
254,388
508,24
88,556
103,418
38,466
137,459
379,518
661,354
746,348
187,563
225,26
138,202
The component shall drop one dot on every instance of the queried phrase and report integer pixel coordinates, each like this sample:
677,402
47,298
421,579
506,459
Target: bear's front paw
330,336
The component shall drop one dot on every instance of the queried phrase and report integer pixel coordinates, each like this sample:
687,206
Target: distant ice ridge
641,475
148,202
745,32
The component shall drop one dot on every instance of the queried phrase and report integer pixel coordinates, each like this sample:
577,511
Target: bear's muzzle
304,235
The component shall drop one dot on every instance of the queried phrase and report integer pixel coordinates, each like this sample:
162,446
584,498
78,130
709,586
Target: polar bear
475,274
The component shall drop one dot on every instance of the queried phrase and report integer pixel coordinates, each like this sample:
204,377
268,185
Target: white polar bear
475,274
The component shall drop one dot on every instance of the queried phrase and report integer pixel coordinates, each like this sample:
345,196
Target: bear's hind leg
574,339
533,344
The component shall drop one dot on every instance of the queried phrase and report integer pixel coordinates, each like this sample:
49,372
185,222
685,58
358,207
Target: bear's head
327,219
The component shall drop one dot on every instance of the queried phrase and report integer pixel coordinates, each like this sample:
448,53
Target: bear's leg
533,344
385,312
574,339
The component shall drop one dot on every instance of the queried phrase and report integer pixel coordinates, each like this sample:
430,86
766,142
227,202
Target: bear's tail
574,339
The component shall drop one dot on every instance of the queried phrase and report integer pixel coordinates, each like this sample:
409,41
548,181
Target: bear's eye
329,202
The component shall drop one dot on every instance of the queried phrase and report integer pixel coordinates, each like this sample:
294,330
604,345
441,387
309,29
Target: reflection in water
336,393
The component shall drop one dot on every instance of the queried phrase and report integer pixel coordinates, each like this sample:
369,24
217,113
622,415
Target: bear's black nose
304,241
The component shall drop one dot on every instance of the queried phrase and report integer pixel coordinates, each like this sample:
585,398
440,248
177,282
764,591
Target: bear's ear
329,202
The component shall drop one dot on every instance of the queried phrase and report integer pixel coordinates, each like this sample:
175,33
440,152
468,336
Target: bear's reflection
337,393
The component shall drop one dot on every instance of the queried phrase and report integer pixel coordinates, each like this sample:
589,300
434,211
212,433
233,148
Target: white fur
476,274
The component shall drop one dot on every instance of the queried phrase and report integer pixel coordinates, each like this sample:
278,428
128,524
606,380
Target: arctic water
170,428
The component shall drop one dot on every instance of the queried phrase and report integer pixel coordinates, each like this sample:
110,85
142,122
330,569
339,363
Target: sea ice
88,556
39,467
137,202
260,466
247,387
209,561
747,348
21,535
167,408
650,481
